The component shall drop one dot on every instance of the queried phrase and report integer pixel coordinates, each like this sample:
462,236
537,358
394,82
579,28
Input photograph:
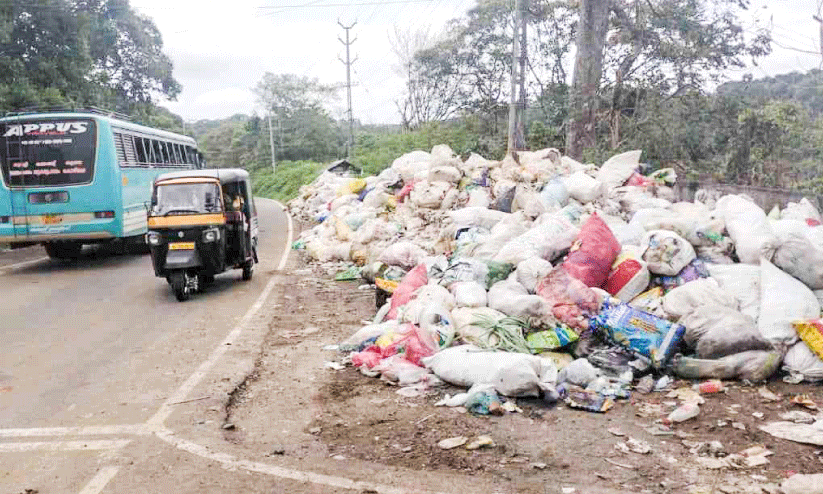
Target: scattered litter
684,412
767,394
805,401
798,416
480,442
739,425
453,442
333,366
799,433
616,432
634,445
621,465
758,415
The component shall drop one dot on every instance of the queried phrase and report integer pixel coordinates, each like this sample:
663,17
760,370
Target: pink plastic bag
571,301
639,180
415,344
405,191
593,253
404,292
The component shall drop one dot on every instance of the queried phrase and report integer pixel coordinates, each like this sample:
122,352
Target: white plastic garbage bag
798,254
404,254
748,227
701,292
666,252
583,188
408,165
465,319
801,360
783,299
546,240
512,374
530,271
512,298
716,331
469,294
742,281
803,211
448,174
476,216
617,169
429,195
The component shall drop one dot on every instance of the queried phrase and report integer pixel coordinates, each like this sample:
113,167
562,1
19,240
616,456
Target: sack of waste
752,366
783,299
512,374
799,254
716,331
531,271
593,252
749,227
569,300
684,299
742,281
801,361
666,252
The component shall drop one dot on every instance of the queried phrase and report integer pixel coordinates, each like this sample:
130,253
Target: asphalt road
95,349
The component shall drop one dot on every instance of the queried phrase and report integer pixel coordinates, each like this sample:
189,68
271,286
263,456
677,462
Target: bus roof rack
88,109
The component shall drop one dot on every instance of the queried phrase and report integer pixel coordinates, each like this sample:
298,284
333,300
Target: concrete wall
765,197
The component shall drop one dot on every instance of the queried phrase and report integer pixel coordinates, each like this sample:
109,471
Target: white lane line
99,481
101,445
288,240
12,267
93,430
232,462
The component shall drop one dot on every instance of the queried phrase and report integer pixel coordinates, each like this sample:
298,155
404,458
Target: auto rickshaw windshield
188,198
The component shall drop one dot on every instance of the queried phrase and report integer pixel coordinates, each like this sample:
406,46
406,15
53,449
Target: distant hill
804,89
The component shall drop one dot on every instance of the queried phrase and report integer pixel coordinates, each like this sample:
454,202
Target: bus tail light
104,214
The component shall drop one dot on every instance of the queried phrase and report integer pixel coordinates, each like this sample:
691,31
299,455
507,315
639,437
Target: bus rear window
44,153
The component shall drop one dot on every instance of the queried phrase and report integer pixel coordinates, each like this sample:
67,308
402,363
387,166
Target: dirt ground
293,406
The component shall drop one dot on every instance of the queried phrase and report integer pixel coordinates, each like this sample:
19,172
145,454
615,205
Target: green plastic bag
551,339
350,274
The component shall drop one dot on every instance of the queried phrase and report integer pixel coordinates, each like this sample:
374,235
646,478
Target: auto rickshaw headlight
211,236
153,238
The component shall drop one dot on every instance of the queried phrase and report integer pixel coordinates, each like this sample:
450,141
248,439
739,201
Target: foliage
74,53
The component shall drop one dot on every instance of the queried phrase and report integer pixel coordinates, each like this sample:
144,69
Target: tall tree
588,70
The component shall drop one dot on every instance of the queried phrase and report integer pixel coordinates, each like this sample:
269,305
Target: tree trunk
588,69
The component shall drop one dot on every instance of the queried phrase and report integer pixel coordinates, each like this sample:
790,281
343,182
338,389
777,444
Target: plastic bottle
684,412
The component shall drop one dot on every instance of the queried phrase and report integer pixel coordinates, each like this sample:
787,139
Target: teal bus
81,177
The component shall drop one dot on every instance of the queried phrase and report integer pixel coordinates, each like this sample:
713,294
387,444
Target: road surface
98,357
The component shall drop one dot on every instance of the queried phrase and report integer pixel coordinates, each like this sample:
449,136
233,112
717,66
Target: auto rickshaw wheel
179,286
248,270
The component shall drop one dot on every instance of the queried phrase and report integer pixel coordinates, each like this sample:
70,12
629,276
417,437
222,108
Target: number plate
52,219
181,246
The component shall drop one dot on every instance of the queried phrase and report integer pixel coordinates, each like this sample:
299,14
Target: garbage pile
538,276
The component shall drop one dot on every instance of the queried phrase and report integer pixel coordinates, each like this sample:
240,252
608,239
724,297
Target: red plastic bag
404,292
405,191
593,253
369,357
639,180
571,301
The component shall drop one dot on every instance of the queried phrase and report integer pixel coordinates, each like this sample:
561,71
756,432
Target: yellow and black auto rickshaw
201,223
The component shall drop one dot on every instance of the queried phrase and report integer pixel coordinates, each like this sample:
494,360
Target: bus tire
63,250
179,286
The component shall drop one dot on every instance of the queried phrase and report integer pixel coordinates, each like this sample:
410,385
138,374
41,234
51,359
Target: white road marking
167,408
12,267
99,445
93,430
287,248
232,463
99,481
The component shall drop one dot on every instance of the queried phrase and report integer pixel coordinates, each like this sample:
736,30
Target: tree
305,127
665,46
588,70
81,53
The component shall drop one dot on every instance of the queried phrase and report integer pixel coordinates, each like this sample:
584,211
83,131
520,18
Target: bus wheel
63,250
248,270
179,286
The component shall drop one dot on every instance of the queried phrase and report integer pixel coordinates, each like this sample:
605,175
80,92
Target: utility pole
348,63
518,21
271,143
520,131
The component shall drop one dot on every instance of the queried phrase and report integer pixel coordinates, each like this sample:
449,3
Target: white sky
220,50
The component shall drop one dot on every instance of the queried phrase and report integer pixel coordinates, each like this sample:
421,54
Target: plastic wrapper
645,335
811,332
551,339
693,271
583,399
592,254
404,292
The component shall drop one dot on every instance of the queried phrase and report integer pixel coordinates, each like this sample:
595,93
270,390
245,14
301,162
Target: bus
79,177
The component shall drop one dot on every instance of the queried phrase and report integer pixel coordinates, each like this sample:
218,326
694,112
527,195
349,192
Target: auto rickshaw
201,223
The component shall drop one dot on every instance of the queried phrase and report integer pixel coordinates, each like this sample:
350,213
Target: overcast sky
220,50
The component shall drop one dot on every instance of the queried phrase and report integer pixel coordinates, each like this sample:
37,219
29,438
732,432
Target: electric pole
271,143
348,63
518,65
